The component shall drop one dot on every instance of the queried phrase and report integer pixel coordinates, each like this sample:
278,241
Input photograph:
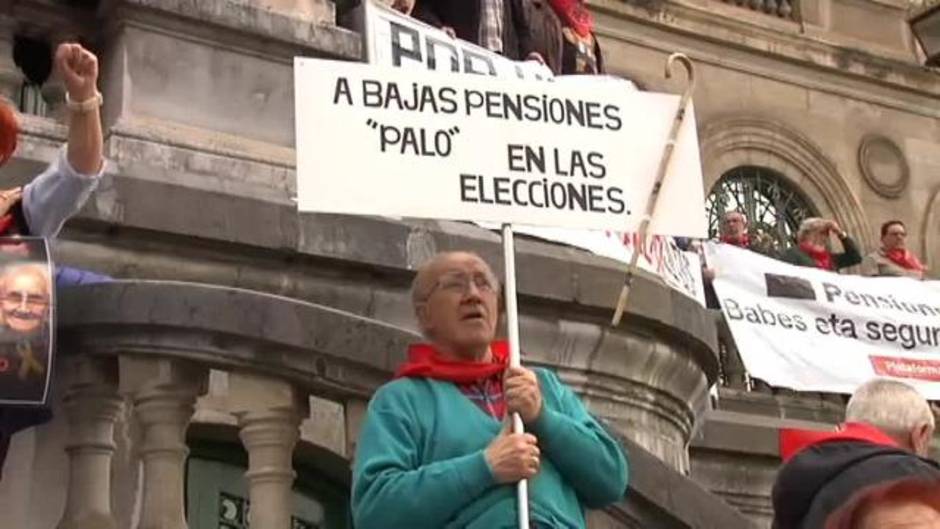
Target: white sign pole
512,322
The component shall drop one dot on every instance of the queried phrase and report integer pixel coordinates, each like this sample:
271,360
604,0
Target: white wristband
82,107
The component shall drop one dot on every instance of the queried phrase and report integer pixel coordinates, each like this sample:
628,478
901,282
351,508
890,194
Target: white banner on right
813,330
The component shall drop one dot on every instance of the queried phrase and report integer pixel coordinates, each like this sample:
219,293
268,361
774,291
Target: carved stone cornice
729,142
754,44
883,165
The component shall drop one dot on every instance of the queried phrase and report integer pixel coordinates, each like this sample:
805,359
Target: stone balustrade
778,8
140,354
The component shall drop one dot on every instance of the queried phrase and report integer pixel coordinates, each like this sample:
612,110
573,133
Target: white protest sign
382,141
394,39
813,330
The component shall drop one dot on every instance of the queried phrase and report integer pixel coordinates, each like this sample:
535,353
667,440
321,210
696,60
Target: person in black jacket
884,441
497,25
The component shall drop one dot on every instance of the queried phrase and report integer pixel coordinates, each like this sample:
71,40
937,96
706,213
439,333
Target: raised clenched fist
79,69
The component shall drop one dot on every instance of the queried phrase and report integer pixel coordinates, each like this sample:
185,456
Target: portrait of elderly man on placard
25,301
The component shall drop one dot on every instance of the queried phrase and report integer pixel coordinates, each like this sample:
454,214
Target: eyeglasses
459,283
31,300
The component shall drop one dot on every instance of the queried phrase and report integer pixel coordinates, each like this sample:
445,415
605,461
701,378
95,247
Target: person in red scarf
434,450
733,230
564,31
812,249
893,258
884,442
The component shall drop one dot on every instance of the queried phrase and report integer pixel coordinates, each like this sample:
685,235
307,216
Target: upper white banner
375,140
394,39
813,330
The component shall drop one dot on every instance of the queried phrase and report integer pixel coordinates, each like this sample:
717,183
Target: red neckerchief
793,440
819,255
905,259
574,15
6,225
744,241
424,361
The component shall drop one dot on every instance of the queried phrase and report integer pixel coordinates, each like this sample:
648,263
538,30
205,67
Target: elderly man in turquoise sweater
434,451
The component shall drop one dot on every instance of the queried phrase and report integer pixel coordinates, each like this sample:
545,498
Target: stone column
269,413
92,407
11,78
163,393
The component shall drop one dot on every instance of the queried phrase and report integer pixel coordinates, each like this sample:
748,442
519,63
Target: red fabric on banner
793,440
891,366
425,361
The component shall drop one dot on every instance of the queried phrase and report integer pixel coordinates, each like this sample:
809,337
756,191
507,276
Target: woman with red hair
902,504
8,132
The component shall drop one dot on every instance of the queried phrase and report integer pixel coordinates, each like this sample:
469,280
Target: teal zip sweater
420,461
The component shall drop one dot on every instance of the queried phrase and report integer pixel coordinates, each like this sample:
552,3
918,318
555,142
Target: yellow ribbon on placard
28,362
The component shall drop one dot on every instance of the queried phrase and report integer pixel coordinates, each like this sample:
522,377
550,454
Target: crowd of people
813,247
557,33
434,450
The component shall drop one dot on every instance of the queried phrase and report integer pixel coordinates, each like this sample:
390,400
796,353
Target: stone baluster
269,412
785,9
770,7
92,407
163,393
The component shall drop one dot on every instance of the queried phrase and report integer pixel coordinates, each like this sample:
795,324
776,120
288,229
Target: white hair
734,212
37,270
808,226
891,406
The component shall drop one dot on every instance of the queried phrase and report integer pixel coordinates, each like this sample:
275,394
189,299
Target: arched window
774,207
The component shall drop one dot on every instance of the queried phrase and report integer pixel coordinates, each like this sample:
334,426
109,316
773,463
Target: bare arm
79,69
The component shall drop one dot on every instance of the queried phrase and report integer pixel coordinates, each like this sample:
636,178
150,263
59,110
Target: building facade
228,370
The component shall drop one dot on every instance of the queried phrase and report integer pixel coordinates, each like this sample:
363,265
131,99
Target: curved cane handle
689,70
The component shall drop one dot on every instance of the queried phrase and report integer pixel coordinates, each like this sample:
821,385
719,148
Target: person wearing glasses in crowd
434,450
893,259
734,229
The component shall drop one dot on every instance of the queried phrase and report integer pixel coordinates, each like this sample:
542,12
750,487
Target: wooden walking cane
658,183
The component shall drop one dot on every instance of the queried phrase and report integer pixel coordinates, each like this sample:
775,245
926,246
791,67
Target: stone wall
200,137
